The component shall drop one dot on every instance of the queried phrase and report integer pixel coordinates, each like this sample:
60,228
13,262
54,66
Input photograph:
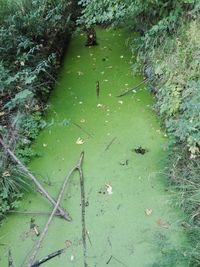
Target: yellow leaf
99,105
148,211
82,120
79,141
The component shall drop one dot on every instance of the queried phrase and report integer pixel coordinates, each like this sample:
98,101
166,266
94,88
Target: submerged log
91,37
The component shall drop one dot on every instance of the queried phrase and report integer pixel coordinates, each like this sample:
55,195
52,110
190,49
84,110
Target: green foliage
184,176
176,66
32,38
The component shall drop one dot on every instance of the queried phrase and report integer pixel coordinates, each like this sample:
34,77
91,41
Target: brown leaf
162,223
6,174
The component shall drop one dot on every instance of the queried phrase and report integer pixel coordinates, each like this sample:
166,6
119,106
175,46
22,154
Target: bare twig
109,259
82,129
84,231
39,242
88,236
119,261
128,91
111,142
26,212
48,257
63,213
56,82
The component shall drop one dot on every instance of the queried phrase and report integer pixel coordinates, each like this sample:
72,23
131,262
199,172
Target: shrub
176,66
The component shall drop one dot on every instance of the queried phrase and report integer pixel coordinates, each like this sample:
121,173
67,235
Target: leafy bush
176,66
32,39
183,174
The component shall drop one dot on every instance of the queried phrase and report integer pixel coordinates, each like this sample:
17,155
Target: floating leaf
148,211
79,141
82,120
68,243
80,73
109,189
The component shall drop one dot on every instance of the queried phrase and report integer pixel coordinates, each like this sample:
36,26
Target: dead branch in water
84,231
82,129
39,242
42,191
134,88
27,212
48,257
111,142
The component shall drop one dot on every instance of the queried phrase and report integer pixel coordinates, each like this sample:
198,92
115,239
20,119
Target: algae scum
128,215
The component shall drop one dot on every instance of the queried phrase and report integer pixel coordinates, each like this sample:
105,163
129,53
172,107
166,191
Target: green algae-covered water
129,217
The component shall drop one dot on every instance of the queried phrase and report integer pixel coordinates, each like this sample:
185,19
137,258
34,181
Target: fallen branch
134,88
119,261
82,129
48,257
62,212
24,212
109,259
39,242
84,230
111,142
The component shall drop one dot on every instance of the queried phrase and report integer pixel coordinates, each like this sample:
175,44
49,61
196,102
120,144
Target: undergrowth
174,78
33,36
184,179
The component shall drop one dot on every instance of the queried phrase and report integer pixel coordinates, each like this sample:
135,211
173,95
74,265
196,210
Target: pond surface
129,217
